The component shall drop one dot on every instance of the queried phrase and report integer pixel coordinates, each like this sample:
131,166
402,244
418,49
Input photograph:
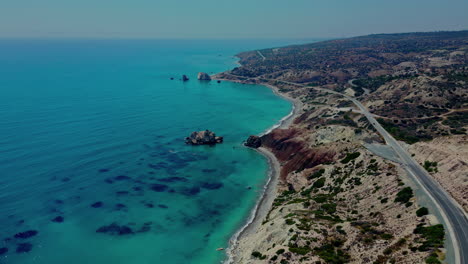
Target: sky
220,19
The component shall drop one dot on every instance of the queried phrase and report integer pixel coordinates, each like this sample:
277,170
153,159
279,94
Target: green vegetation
319,183
404,195
316,174
321,198
386,236
422,211
457,121
280,251
433,259
398,132
350,156
258,255
329,208
300,250
332,255
430,166
433,236
372,83
290,221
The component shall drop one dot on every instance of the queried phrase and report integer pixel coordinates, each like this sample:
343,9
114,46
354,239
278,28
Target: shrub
422,211
433,260
330,255
350,156
320,198
290,222
316,174
300,250
319,183
404,195
433,236
280,251
258,255
386,236
329,208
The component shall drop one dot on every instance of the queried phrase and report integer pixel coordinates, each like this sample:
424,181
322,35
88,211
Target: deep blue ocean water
91,133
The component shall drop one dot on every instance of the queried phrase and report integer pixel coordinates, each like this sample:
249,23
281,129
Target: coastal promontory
253,142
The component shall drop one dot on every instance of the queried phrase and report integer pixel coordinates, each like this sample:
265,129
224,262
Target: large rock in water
185,78
253,142
203,76
203,138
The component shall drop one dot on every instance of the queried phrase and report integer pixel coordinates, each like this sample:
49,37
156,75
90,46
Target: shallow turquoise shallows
92,152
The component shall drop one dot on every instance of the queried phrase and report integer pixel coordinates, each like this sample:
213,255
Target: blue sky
226,18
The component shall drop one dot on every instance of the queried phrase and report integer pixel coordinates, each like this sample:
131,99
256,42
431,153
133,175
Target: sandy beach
265,201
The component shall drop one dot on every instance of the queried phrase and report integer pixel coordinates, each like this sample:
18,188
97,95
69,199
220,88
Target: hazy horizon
208,19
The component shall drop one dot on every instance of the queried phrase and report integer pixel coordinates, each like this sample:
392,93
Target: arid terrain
336,201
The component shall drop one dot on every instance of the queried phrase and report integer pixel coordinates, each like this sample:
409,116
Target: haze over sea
92,131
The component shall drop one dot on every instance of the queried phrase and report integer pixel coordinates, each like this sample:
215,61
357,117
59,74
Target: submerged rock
24,247
190,191
159,187
204,76
173,179
253,142
114,229
26,234
206,137
120,206
58,219
3,250
185,78
122,178
97,205
212,185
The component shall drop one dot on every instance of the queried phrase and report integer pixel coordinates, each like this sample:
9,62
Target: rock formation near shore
206,137
185,78
204,76
253,142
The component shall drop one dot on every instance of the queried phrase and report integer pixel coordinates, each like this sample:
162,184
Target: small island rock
204,76
203,138
185,78
253,142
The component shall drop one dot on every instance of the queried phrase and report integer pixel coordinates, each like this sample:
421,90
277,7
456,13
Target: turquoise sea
93,165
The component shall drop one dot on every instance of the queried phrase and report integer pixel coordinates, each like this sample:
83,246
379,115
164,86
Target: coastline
266,199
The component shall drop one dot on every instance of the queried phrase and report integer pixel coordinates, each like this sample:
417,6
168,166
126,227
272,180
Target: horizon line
208,38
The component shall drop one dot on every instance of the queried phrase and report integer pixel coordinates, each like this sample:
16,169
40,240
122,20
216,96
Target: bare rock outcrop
185,78
206,137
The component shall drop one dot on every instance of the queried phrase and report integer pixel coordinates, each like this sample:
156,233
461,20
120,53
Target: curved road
454,216
456,220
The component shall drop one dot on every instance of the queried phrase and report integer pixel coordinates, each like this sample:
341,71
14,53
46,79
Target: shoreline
265,201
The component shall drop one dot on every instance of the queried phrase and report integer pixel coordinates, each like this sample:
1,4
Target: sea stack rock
203,76
185,78
253,142
203,138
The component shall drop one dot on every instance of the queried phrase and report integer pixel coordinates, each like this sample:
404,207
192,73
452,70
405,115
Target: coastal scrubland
336,201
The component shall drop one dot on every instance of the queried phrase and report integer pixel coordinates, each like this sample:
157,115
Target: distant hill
413,76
